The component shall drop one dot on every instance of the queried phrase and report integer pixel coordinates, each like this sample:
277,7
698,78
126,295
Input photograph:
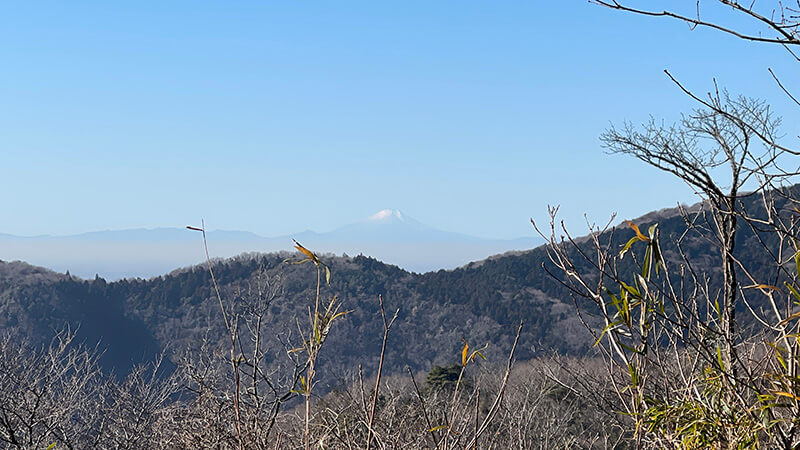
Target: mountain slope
36,303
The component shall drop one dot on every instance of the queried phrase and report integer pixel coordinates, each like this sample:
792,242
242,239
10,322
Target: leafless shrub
48,395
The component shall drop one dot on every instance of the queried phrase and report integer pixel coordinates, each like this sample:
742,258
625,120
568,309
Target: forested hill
133,319
36,304
481,302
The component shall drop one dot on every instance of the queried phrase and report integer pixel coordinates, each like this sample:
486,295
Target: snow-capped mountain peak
387,215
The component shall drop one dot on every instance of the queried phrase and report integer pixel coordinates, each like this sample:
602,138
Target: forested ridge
132,320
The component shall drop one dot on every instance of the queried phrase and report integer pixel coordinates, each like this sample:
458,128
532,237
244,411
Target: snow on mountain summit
386,215
390,219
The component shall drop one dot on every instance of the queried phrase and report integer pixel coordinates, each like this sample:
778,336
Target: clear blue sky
275,117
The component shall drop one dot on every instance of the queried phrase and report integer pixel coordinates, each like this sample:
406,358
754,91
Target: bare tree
137,412
706,142
770,23
48,395
266,383
665,324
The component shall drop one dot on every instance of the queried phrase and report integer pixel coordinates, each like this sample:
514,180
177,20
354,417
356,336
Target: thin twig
231,333
499,398
424,410
386,327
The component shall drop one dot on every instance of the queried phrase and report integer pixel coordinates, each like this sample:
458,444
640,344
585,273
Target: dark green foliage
442,378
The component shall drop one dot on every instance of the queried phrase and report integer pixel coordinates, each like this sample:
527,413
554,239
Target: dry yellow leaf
638,233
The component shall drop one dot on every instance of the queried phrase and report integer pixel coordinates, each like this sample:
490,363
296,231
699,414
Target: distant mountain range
388,235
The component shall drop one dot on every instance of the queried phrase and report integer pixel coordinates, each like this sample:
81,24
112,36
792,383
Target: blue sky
276,117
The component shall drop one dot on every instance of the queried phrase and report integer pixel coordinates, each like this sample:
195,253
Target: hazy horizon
388,235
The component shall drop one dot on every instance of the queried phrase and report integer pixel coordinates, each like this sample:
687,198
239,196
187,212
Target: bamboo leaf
630,349
295,263
780,359
639,234
763,287
790,318
797,262
652,231
642,284
608,327
657,257
788,394
634,375
793,290
341,313
614,300
632,290
477,353
628,246
306,252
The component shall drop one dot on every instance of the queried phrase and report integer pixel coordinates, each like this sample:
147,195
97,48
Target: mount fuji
391,225
388,235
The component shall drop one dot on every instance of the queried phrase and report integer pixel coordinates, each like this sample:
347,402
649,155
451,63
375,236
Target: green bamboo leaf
606,329
793,290
630,349
632,290
317,335
633,374
614,300
646,265
657,257
625,309
628,246
797,262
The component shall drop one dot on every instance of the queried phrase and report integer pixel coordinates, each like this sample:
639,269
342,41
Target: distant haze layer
388,235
